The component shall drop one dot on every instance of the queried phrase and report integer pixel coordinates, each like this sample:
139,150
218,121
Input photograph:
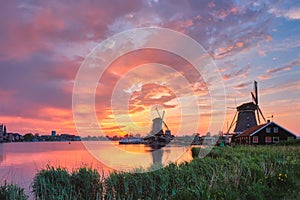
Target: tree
28,137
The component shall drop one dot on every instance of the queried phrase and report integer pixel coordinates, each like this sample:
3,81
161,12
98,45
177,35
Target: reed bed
12,191
242,172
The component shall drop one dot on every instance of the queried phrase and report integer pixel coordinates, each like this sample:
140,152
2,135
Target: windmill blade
166,125
256,92
232,122
158,113
261,113
254,98
232,108
163,115
258,116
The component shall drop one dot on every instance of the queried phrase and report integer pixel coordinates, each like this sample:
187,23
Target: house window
275,130
268,130
248,125
290,138
275,139
268,139
255,139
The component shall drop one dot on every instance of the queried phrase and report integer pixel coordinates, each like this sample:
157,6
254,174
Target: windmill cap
247,106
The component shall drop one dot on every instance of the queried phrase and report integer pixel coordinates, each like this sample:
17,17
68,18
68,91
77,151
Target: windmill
158,138
168,131
247,114
157,125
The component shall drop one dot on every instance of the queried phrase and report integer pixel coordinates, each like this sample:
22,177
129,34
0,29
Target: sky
45,43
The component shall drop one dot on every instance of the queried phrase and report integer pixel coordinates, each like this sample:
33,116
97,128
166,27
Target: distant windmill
158,138
159,121
246,115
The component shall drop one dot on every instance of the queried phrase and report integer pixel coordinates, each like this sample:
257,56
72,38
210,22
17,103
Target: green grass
241,172
57,183
11,192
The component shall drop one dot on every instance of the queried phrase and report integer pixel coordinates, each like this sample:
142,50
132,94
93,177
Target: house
268,133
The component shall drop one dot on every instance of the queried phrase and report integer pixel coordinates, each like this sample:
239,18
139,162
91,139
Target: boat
132,141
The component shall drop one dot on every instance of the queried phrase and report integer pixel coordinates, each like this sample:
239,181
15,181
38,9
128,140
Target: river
19,162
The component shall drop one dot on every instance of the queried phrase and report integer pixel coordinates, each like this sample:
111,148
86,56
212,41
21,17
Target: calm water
19,162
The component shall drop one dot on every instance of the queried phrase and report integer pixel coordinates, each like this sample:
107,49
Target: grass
241,172
11,191
57,183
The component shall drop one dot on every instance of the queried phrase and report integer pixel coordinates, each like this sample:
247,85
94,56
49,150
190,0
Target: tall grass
243,172
57,183
251,172
12,192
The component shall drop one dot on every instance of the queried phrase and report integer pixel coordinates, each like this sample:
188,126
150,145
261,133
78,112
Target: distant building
268,133
53,133
4,131
1,132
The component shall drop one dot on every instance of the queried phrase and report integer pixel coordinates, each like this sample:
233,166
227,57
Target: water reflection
19,162
2,155
157,155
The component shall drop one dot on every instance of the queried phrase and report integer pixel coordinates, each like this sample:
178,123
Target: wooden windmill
247,114
158,122
158,138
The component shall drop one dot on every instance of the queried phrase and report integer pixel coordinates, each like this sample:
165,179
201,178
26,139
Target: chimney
268,121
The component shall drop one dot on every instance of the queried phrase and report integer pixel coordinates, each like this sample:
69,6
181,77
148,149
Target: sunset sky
44,43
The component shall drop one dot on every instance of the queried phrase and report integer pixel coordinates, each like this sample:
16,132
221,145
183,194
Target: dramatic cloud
293,13
43,44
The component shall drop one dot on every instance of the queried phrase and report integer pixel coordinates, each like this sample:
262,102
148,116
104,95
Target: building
1,133
268,133
53,133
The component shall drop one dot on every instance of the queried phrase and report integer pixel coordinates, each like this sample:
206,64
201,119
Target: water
19,162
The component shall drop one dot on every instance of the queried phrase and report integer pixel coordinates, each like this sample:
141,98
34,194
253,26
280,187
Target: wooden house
268,133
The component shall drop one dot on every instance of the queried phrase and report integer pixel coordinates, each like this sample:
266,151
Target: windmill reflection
157,155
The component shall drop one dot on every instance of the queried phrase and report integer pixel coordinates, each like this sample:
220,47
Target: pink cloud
287,67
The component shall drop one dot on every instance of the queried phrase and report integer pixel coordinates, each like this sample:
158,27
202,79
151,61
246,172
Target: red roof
251,130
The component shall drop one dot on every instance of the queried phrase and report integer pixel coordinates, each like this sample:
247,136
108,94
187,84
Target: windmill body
156,126
158,138
246,117
248,114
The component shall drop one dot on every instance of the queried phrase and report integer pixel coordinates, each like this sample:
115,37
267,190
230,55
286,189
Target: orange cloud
268,38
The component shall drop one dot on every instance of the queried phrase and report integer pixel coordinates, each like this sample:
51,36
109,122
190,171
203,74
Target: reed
242,172
57,183
250,172
12,191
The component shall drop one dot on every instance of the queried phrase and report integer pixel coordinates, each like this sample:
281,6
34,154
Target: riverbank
242,172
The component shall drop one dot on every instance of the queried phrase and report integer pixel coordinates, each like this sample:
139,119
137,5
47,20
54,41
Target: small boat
132,141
